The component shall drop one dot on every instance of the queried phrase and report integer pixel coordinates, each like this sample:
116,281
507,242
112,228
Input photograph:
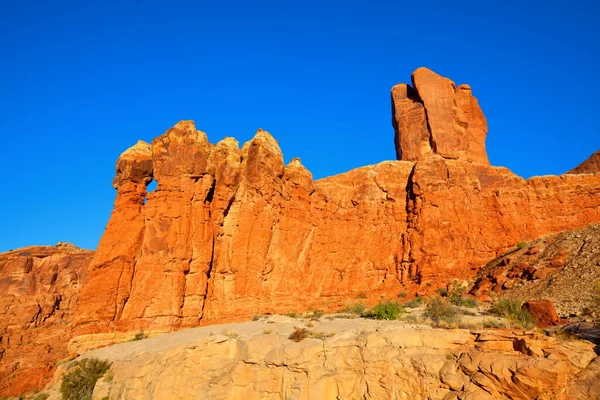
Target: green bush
414,303
520,245
78,383
357,307
511,310
440,310
139,336
387,310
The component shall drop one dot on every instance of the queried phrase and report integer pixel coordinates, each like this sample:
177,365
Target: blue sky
81,81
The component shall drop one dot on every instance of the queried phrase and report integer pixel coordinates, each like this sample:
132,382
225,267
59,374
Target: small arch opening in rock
151,187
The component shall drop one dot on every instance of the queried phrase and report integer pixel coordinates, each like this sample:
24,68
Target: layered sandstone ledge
230,232
359,358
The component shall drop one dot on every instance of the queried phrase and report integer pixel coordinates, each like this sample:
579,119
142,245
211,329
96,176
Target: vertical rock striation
434,117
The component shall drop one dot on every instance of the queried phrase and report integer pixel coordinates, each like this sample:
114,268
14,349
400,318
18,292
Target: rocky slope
562,268
231,232
356,359
589,166
39,289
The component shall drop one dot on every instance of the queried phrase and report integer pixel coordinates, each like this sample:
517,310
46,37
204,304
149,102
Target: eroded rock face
434,117
230,233
39,289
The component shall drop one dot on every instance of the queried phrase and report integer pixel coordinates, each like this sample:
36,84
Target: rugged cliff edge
39,289
231,232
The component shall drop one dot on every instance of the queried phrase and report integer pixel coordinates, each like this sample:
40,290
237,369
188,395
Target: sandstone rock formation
437,118
39,289
589,166
230,232
362,359
543,312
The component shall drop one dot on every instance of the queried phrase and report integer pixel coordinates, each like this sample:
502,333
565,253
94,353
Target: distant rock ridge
589,166
230,232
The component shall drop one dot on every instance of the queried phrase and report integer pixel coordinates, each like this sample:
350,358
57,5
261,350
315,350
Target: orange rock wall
230,233
39,289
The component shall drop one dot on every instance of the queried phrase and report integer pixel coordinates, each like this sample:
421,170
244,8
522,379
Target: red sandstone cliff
39,289
233,232
230,232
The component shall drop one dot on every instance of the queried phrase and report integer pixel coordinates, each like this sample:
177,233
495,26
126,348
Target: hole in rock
151,187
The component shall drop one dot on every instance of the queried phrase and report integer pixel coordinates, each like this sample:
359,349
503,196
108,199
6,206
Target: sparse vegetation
520,245
315,314
257,317
387,310
492,323
357,307
442,312
512,311
231,334
300,334
402,295
292,314
416,302
78,383
139,336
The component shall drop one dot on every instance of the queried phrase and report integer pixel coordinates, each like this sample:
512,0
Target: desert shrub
139,336
414,303
512,311
387,310
492,323
402,295
442,312
520,245
357,307
443,292
257,317
315,314
299,334
292,314
346,316
78,383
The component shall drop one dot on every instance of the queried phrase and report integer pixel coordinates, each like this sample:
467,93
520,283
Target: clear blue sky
81,81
